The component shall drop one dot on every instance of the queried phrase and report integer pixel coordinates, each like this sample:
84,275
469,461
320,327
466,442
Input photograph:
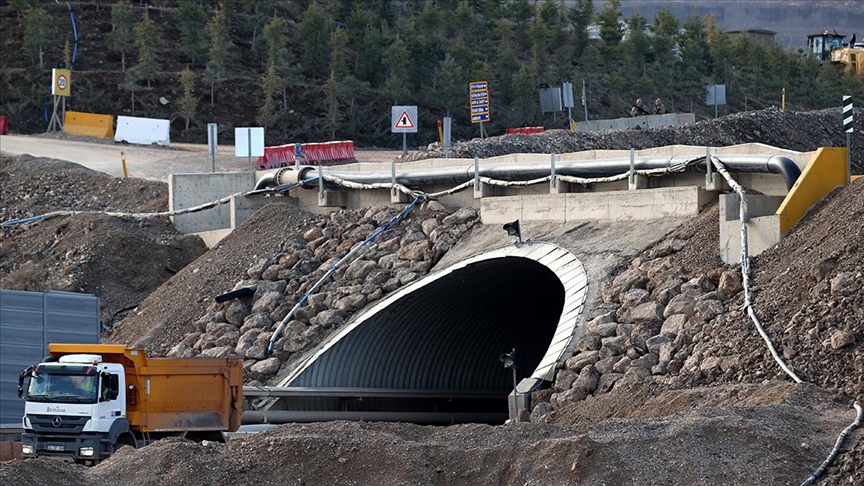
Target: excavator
831,47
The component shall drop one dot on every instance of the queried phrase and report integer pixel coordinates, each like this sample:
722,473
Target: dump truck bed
171,394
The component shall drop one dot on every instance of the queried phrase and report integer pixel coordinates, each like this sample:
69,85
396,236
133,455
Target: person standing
638,109
659,107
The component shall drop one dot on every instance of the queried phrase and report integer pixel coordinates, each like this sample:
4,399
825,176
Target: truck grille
63,424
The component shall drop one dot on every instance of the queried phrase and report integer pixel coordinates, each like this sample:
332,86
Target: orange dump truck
84,401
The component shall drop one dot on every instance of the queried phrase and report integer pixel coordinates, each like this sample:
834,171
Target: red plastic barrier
313,153
524,130
4,125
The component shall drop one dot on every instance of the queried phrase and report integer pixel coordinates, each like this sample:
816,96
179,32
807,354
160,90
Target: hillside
688,395
342,65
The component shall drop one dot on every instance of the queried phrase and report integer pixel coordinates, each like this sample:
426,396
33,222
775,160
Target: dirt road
152,162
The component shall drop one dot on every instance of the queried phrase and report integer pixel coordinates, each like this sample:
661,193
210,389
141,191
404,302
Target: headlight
27,449
85,451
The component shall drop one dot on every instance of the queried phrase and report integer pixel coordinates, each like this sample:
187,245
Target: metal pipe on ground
768,164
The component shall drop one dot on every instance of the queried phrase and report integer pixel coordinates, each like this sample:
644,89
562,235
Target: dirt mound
120,261
793,130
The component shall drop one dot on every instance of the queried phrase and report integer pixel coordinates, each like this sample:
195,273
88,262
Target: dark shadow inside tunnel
445,338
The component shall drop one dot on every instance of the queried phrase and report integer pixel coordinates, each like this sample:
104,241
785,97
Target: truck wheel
124,440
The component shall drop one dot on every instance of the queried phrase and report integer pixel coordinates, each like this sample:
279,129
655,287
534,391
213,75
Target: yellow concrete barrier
89,124
825,171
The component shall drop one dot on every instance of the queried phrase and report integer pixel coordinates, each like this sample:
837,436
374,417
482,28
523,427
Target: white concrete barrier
647,121
143,131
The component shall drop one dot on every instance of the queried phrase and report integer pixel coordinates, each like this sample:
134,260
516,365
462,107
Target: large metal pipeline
768,164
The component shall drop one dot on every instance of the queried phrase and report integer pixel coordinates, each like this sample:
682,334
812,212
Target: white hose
836,450
745,267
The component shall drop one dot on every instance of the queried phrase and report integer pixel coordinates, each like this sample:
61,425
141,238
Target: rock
708,309
541,410
218,329
642,332
266,367
360,269
562,399
429,225
634,297
265,286
603,330
607,382
461,216
588,343
305,313
237,311
605,365
730,283
621,365
587,380
842,339
329,318
581,360
626,280
646,313
246,341
181,350
843,284
295,343
218,352
659,369
351,303
666,352
634,375
414,251
645,362
314,333
674,324
268,302
614,345
654,343
710,363
680,304
313,233
564,379
625,329
540,396
821,270
257,351
701,283
258,321
257,269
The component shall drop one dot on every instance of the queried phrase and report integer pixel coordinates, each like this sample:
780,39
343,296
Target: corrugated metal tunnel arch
447,330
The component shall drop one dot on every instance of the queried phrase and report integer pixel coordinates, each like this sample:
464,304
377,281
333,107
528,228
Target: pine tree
194,38
216,57
396,59
147,39
270,87
315,41
275,40
38,31
189,102
122,35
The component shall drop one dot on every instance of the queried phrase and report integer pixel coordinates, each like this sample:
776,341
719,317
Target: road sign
248,141
61,84
478,96
403,119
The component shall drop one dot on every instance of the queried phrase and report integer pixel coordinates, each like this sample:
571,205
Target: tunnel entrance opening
435,352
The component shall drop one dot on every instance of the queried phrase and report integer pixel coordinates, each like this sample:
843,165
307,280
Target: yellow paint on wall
825,171
89,124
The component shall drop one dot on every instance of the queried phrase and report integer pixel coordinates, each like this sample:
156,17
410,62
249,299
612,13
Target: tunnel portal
429,353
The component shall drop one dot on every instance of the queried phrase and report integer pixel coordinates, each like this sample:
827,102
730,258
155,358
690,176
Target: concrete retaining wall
643,204
189,190
647,121
763,227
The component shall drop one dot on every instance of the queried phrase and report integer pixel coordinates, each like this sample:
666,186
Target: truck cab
73,407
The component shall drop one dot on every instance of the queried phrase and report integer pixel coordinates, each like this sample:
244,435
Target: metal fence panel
28,322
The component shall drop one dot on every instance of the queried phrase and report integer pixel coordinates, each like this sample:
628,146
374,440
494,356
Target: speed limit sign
61,85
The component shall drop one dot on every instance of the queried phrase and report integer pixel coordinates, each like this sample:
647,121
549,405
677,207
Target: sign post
212,146
848,128
61,88
403,119
249,142
478,95
715,94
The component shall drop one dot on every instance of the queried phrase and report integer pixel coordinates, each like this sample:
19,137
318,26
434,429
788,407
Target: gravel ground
752,426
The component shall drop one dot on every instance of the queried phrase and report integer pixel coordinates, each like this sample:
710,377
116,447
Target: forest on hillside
314,70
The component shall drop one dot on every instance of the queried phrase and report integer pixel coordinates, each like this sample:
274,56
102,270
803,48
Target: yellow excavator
831,47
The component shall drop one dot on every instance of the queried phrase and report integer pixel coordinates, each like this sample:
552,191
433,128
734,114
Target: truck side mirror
21,376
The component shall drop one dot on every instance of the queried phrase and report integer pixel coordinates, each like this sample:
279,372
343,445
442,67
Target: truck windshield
63,384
